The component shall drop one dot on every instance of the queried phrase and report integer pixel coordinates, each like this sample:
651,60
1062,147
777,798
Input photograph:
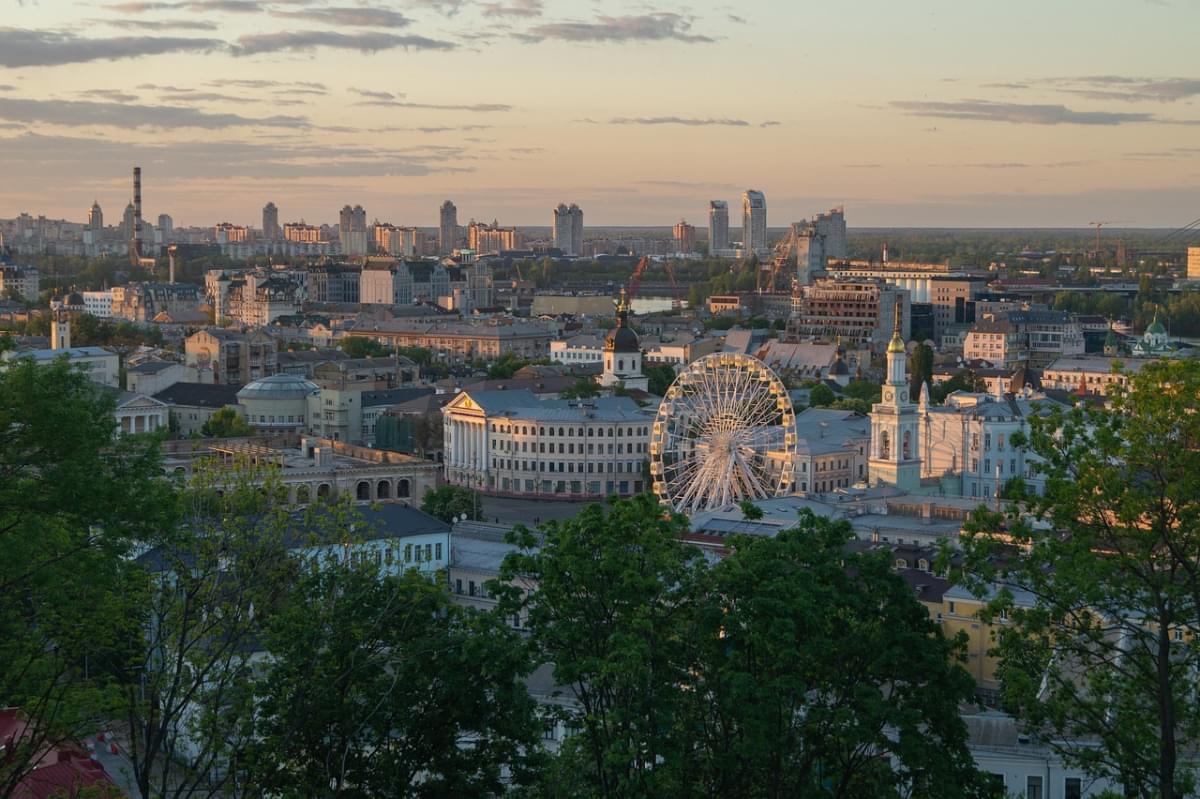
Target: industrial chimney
135,248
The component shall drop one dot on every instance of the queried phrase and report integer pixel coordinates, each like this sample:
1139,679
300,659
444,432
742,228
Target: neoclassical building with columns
510,443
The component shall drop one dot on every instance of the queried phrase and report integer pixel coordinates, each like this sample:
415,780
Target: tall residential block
754,221
352,230
685,237
1193,263
447,228
831,226
567,226
270,222
95,218
718,227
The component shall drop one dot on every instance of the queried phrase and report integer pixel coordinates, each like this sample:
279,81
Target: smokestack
171,260
135,254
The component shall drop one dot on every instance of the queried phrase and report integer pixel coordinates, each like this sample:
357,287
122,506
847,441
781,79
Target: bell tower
895,457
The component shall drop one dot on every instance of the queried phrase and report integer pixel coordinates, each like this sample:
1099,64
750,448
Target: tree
196,604
866,390
506,366
363,347
226,423
74,500
583,388
611,594
451,502
962,380
382,687
1099,652
820,396
815,671
660,376
920,366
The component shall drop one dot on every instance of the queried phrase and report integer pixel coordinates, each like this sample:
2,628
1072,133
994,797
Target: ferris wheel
725,432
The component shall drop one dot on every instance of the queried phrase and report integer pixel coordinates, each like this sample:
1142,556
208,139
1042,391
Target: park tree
450,503
74,501
612,594
660,377
1099,583
962,380
226,423
821,396
813,671
920,367
363,347
379,686
582,388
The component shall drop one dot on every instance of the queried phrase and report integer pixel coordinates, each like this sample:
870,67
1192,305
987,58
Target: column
454,442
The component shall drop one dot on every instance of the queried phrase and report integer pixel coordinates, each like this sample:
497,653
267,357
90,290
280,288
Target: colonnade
468,444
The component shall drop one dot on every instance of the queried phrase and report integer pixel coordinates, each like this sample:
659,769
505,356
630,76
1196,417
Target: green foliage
506,366
821,396
856,405
73,501
583,388
226,423
450,502
374,684
90,331
1106,558
920,367
767,674
962,380
866,390
660,377
363,347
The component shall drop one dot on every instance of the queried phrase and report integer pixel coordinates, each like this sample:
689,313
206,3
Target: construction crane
635,280
1099,225
784,250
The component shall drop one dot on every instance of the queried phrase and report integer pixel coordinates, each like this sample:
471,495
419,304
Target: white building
100,365
581,349
895,459
623,353
98,303
510,443
21,280
138,413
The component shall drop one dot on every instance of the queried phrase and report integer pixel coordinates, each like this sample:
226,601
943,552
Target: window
1033,787
438,551
949,607
408,553
1073,788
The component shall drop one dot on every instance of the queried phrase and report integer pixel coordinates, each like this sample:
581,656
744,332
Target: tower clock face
904,396
887,395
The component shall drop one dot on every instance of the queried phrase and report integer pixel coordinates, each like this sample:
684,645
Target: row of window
566,466
569,447
575,487
569,431
262,418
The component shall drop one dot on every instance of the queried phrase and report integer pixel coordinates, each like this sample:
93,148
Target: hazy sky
917,112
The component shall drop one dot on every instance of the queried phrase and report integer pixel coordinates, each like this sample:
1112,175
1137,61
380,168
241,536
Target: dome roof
897,343
74,298
622,339
277,387
839,366
1156,328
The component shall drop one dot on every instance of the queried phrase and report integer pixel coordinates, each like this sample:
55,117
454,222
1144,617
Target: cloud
770,123
1163,90
350,16
659,26
483,108
862,166
69,157
20,47
736,123
159,24
373,95
1004,85
735,19
202,97
126,115
227,6
113,95
7,87
1016,113
303,41
515,8
253,83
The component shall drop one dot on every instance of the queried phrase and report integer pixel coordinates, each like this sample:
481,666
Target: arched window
303,495
363,490
923,565
907,444
402,489
383,490
901,563
323,490
885,445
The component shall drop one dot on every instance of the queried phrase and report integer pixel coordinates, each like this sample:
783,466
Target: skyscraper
95,218
754,221
718,227
447,228
127,224
270,225
352,231
567,225
166,226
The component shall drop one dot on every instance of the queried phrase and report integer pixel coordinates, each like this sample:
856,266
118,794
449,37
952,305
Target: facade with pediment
510,443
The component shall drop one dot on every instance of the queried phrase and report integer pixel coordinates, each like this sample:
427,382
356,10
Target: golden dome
897,344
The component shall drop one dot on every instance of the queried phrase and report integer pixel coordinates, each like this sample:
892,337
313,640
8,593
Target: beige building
1091,374
573,304
1033,336
1193,263
685,237
462,341
484,238
857,311
228,356
141,302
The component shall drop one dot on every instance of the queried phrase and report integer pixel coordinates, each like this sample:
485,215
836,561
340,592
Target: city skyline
953,116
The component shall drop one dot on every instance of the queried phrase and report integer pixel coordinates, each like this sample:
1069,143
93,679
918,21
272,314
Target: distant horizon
950,115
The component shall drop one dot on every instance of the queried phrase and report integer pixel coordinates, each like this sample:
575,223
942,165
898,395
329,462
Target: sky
930,113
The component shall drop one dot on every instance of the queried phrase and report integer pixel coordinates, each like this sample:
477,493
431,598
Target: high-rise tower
754,221
270,222
718,227
447,228
567,227
95,218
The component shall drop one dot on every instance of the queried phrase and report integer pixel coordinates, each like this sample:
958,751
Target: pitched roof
199,395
